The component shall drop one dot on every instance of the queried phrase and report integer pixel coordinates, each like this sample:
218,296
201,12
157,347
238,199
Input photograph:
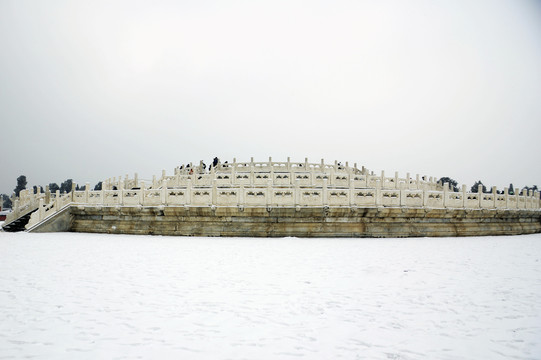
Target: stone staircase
18,224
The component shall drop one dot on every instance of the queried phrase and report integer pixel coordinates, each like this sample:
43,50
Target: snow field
88,296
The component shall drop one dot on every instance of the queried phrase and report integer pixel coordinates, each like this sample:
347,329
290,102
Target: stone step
18,224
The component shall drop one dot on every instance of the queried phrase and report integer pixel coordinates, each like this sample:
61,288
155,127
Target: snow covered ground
83,296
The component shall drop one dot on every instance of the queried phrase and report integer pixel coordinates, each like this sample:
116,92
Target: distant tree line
6,202
65,187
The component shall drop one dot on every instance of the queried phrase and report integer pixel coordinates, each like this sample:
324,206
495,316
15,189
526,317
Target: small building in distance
3,213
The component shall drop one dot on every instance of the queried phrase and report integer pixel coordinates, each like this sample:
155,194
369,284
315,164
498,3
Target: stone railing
289,196
25,203
298,195
280,173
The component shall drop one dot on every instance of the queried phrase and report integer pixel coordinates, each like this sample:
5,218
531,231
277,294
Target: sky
97,89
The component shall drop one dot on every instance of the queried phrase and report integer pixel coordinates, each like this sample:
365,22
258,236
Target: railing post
464,196
213,192
57,200
494,195
325,193
480,193
396,186
408,180
41,211
73,186
445,194
189,191
47,194
379,199
351,191
120,193
297,193
289,165
506,195
142,193
16,208
382,179
269,193
164,192
241,195
402,194
87,188
292,179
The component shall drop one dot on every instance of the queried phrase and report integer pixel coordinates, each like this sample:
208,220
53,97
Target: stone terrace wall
303,222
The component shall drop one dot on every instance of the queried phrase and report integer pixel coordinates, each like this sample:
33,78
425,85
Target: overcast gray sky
96,89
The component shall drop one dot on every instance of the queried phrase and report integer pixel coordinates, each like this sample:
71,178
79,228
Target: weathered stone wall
300,222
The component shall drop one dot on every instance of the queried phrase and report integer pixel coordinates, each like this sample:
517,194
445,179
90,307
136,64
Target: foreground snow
82,296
